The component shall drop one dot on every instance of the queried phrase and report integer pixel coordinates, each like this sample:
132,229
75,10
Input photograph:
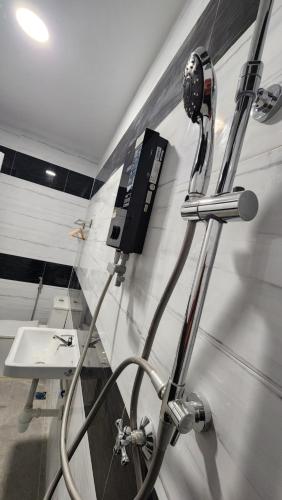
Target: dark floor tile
23,470
13,267
79,184
57,274
41,172
9,156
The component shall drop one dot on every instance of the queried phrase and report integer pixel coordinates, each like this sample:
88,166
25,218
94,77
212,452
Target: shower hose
165,429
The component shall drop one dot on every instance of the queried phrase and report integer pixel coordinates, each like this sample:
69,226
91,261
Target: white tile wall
35,221
237,358
17,300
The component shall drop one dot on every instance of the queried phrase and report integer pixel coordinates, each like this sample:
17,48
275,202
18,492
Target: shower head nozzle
198,85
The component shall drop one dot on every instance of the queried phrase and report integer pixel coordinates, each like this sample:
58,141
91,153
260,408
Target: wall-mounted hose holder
189,413
238,205
84,223
81,232
267,104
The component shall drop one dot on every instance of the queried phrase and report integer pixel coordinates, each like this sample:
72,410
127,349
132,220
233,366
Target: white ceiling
72,92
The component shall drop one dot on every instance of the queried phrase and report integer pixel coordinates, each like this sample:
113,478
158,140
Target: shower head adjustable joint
199,97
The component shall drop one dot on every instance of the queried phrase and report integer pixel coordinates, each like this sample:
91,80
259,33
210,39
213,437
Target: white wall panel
35,221
17,300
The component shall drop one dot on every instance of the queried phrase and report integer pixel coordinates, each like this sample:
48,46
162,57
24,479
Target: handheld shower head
199,97
193,87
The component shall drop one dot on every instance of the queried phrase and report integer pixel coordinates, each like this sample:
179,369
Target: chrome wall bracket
268,101
143,437
190,413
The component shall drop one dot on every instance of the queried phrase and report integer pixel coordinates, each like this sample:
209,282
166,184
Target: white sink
37,353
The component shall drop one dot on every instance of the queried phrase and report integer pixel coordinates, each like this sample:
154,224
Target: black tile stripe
34,170
9,156
74,281
16,268
232,19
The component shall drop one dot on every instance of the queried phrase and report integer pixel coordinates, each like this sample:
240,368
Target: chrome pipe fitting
238,205
268,102
121,269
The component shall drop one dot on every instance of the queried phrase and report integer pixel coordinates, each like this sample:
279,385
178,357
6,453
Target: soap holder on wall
81,232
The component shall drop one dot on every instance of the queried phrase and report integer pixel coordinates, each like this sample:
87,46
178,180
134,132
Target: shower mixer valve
143,437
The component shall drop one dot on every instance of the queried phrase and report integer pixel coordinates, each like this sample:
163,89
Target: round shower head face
193,87
198,85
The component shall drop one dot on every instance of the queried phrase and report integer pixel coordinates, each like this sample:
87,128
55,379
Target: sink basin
35,353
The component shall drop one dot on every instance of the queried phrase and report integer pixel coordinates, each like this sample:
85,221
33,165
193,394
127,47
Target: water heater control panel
136,193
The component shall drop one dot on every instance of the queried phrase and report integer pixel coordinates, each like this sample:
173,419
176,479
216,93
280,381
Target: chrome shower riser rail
248,85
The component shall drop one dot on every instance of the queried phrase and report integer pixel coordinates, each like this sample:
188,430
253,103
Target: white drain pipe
29,412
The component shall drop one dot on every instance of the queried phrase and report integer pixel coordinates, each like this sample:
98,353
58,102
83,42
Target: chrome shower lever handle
122,440
124,457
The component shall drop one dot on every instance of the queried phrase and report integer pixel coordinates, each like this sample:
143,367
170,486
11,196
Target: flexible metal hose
184,251
165,432
186,245
67,455
78,369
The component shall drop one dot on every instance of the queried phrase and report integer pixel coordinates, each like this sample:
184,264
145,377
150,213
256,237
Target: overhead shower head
199,97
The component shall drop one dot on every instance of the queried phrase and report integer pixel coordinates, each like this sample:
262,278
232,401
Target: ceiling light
32,25
50,172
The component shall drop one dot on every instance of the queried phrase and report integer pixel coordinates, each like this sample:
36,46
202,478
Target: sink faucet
67,342
94,342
